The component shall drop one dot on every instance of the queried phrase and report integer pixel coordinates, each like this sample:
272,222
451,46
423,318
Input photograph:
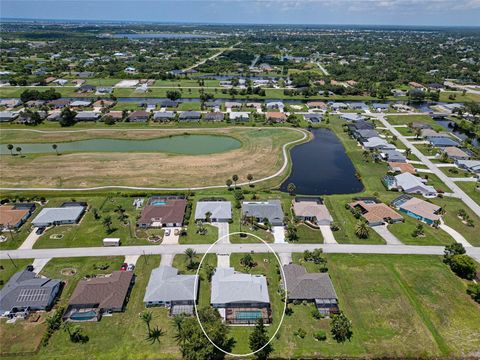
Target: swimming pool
84,315
158,203
248,315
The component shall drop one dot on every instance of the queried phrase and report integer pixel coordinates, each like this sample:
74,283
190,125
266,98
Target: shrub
474,291
463,266
300,333
316,314
320,335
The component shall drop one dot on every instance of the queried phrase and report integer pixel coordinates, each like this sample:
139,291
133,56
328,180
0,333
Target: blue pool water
158,203
248,315
84,316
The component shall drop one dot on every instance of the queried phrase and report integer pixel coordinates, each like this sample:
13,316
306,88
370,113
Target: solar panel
32,295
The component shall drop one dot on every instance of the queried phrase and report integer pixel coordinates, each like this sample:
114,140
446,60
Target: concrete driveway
30,240
131,259
39,264
389,238
223,260
223,231
285,258
327,234
279,234
167,259
455,234
171,239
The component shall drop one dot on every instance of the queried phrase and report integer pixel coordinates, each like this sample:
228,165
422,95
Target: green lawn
346,222
400,306
180,262
121,336
404,231
407,119
9,267
307,235
471,189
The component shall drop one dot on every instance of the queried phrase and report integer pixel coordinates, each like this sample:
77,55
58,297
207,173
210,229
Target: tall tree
55,147
19,150
291,188
361,229
107,222
147,317
249,178
341,328
258,339
235,179
10,147
228,183
154,335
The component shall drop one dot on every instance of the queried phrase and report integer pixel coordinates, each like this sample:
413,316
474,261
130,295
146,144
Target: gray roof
166,285
409,182
229,286
24,289
61,214
271,209
163,115
366,133
190,115
218,209
302,285
8,115
86,115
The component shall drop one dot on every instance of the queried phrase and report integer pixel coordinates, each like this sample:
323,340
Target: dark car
40,231
29,267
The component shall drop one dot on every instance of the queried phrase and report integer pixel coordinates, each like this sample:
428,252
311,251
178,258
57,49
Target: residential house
313,118
379,107
377,143
275,105
95,296
401,167
164,116
275,116
419,125
25,292
360,125
312,287
351,117
417,208
393,156
214,116
68,213
12,216
470,165
430,133
104,90
312,210
87,116
336,106
174,291
10,103
116,115
410,184
220,211
455,153
138,116
442,142
168,103
35,103
374,212
364,134
317,105
80,103
190,116
232,105
240,298
261,210
239,115
130,70
58,103
86,88
103,104
6,116
163,211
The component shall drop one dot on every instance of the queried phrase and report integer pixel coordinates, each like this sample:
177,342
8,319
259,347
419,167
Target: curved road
279,172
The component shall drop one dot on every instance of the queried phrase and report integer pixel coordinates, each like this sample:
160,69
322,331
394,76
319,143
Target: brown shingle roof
376,211
402,167
11,216
170,213
108,292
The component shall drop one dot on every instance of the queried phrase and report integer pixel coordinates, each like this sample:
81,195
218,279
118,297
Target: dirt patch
68,271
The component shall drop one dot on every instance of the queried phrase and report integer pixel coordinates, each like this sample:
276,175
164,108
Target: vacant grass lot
471,189
407,119
404,231
260,154
400,306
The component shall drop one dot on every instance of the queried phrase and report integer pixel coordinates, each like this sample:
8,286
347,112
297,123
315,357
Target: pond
451,127
321,167
178,144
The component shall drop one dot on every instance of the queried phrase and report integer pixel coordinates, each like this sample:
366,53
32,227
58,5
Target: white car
130,267
167,232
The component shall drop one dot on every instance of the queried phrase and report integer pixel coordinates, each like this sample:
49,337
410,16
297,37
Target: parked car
40,231
29,267
130,267
167,232
124,267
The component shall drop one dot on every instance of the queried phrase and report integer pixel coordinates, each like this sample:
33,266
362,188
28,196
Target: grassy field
144,169
471,189
307,235
407,119
10,267
404,231
400,306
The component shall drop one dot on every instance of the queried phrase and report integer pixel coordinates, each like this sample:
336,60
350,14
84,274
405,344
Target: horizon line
175,22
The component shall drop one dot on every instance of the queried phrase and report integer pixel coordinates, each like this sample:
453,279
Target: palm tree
155,335
235,179
107,222
208,216
361,229
19,150
190,253
249,178
147,318
10,147
228,183
408,152
365,155
291,188
55,147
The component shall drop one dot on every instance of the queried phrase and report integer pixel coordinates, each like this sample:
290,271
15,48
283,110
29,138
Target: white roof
408,181
229,286
239,114
52,215
218,209
166,285
376,142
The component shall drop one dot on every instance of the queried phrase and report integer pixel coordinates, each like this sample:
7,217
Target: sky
361,12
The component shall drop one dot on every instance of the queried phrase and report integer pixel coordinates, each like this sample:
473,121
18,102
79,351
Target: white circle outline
195,291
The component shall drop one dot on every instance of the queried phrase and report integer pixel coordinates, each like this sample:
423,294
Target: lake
321,167
178,144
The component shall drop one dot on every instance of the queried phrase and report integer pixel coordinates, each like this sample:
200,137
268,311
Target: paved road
211,57
228,249
435,170
323,69
279,172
